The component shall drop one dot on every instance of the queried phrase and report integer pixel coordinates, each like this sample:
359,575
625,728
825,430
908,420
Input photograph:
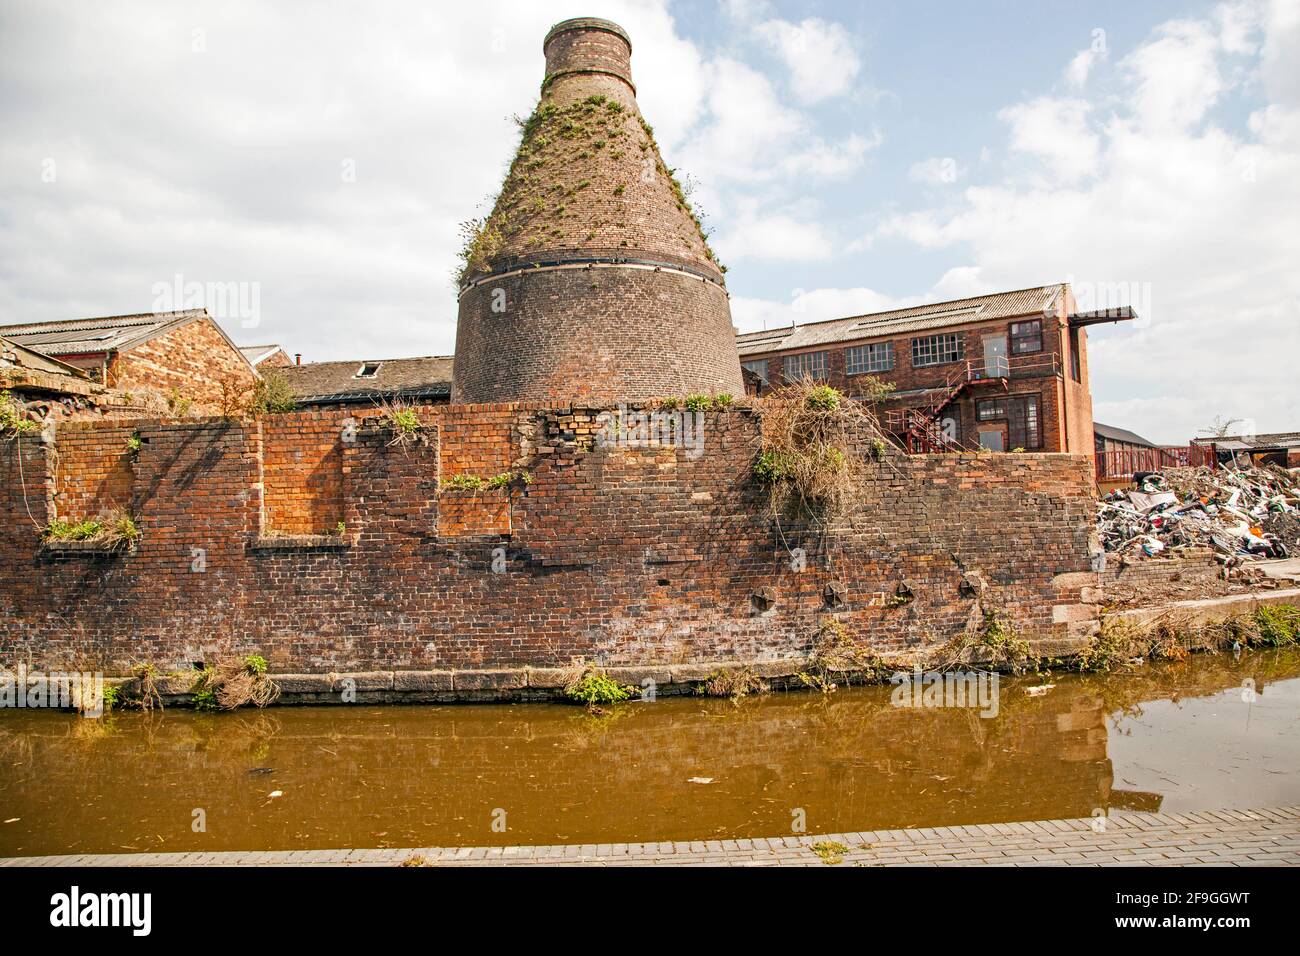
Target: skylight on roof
368,370
922,316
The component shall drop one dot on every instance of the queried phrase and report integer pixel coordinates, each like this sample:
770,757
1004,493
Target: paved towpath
1269,837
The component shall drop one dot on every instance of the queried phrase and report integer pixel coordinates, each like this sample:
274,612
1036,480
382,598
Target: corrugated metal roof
19,356
1121,434
1268,442
937,315
427,376
89,336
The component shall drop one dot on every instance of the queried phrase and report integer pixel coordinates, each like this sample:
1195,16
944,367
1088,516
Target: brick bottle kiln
591,279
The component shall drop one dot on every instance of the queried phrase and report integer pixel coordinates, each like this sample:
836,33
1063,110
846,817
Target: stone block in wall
549,678
422,680
367,680
490,679
637,676
304,683
684,673
1069,613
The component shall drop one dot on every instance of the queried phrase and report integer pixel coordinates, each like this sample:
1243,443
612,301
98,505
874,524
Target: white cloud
814,305
1076,74
1176,76
1056,131
775,236
748,135
819,55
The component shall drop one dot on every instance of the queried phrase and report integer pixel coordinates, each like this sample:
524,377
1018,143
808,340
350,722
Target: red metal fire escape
919,426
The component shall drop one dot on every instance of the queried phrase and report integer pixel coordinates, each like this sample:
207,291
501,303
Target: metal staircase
919,426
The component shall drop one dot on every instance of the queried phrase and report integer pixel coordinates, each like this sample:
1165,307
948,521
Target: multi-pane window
807,365
1032,435
1020,412
1076,370
937,349
861,359
758,367
1026,337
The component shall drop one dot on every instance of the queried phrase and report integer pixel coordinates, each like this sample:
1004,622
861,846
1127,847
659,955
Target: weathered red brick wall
92,470
620,555
602,333
302,472
193,360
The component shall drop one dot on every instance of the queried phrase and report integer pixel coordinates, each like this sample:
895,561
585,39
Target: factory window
807,365
861,359
1026,337
937,350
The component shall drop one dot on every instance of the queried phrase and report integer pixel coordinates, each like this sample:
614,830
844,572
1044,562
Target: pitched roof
425,377
89,336
1121,434
1270,441
936,315
13,355
258,353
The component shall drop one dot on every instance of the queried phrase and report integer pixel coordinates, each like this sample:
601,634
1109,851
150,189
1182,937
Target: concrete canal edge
1264,837
1211,610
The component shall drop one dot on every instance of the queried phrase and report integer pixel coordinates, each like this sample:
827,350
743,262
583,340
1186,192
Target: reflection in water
1175,736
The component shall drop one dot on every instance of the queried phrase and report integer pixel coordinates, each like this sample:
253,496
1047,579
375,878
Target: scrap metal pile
1243,514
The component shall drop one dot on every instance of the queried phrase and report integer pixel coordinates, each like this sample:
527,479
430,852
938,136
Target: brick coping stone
1263,837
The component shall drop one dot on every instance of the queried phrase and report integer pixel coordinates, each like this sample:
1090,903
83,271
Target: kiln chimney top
588,45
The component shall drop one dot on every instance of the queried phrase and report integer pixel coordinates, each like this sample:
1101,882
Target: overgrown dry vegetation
401,420
1124,643
813,457
836,658
734,683
116,529
993,642
234,682
563,152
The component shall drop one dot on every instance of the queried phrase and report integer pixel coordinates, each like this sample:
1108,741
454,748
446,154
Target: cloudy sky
848,156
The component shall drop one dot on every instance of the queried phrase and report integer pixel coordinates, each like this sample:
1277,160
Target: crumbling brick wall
620,555
1190,574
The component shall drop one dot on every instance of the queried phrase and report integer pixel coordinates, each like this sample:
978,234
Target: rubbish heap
1243,514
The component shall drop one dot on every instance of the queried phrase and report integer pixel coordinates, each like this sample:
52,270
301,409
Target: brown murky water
1169,737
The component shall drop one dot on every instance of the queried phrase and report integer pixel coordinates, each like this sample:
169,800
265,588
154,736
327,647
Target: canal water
1209,732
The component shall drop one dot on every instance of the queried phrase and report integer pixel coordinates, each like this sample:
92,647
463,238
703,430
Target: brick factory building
591,264
999,372
165,354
